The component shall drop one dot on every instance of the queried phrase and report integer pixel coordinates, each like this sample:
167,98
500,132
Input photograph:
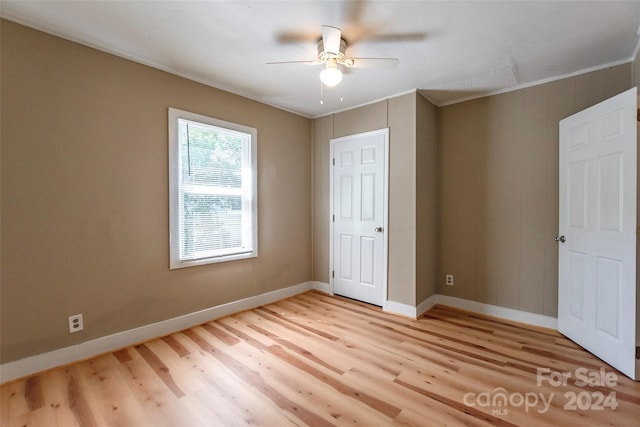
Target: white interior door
358,206
597,246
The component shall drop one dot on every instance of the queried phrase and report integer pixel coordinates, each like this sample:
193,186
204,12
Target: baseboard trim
426,305
399,308
388,305
502,312
409,310
52,359
468,305
323,287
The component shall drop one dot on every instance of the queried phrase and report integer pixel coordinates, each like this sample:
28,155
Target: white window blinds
215,192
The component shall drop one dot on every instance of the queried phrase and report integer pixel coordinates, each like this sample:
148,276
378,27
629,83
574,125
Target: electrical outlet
449,279
75,323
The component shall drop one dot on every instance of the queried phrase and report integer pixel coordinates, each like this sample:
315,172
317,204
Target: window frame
175,261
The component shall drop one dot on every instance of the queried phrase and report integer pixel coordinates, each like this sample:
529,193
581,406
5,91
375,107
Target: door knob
560,239
378,229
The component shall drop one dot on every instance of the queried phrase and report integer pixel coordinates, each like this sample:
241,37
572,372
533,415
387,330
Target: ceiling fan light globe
331,76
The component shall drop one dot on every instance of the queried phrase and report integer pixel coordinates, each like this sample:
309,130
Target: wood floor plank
122,355
14,403
321,375
156,400
320,360
100,375
79,404
207,407
232,399
171,341
254,379
56,394
160,369
336,408
33,393
412,403
337,360
124,412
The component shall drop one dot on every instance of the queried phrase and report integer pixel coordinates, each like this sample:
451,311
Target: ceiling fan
332,53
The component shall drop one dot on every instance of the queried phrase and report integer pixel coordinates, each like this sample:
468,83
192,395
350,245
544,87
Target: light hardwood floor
319,360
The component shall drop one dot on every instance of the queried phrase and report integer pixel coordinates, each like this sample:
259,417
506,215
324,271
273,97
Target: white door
358,206
597,242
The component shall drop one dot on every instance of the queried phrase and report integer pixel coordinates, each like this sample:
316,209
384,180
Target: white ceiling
450,50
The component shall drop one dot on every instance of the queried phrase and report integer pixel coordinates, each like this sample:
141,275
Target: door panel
610,203
608,285
577,276
367,260
577,195
368,197
358,216
597,262
346,248
346,197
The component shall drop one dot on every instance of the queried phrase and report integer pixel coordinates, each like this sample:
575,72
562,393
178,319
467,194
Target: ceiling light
331,75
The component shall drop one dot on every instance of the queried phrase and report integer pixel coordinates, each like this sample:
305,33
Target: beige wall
85,195
402,199
408,275
322,133
363,119
426,210
498,189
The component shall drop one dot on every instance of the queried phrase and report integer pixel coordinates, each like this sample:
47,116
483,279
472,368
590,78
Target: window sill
176,263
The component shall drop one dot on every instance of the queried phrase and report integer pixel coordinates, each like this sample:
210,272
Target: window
212,190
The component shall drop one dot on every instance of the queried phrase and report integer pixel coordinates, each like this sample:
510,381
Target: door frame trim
385,203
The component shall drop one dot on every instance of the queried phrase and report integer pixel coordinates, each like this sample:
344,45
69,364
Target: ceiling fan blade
372,62
297,37
295,62
398,37
331,39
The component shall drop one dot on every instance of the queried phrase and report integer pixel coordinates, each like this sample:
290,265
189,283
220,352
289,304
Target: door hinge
333,274
637,352
333,218
334,161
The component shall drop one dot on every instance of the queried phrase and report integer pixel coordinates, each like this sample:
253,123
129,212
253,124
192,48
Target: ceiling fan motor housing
324,56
